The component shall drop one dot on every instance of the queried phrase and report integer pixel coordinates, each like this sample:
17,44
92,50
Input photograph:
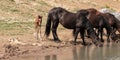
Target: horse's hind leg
108,34
82,31
101,34
76,31
54,28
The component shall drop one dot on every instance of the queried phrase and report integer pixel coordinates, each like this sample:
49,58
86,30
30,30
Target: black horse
76,21
114,23
100,21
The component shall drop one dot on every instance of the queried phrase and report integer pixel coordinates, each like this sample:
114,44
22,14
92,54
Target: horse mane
60,9
115,19
82,12
93,10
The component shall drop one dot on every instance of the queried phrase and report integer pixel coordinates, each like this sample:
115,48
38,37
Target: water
107,52
99,53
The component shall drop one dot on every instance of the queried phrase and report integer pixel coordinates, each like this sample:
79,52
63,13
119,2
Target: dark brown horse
114,23
76,21
99,21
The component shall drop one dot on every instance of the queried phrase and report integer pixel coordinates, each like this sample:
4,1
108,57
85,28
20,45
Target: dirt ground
13,46
27,43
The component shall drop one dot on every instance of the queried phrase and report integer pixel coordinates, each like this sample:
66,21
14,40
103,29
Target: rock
117,15
16,41
107,10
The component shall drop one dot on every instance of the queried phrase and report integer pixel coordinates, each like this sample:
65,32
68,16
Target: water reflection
50,57
107,52
75,55
47,57
80,53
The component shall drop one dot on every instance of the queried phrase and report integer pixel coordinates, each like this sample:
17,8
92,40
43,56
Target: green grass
43,3
14,28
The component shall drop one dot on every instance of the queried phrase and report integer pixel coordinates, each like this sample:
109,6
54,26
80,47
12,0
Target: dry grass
18,15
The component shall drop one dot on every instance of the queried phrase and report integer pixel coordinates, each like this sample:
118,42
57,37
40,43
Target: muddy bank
15,47
91,52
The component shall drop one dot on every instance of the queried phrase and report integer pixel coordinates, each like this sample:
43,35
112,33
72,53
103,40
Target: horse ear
39,16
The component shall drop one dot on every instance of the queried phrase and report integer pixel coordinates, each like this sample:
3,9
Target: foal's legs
82,31
54,28
37,31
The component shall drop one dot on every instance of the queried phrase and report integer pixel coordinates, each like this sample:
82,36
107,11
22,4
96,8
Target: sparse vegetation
20,17
14,28
107,6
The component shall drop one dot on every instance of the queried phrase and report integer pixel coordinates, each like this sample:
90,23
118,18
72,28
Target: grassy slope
19,17
28,9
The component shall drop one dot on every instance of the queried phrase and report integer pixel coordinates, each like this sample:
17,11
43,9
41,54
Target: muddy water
107,52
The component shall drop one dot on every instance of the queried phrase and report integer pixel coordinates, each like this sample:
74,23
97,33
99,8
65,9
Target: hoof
74,43
108,41
87,36
98,44
57,41
102,40
84,44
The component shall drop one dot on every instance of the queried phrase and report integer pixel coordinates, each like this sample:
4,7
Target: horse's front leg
101,34
108,35
54,29
113,34
76,34
82,31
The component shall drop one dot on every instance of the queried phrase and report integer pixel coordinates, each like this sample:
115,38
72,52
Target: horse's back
68,20
64,17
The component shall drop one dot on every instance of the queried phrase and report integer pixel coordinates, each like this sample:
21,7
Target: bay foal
38,22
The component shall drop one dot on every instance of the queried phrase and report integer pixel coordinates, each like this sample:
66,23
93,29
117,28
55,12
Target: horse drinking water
114,23
99,21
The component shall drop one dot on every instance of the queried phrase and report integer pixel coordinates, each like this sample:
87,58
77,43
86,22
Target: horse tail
73,32
48,25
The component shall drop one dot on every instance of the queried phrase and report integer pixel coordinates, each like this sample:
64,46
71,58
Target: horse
114,23
76,21
37,23
99,22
